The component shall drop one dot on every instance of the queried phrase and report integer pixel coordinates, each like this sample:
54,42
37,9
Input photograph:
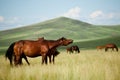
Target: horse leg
116,49
53,58
20,61
112,49
17,60
44,58
78,50
106,49
26,59
14,59
71,51
49,58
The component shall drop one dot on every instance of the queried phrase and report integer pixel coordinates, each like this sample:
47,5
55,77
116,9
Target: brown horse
72,49
111,46
37,48
100,47
54,53
10,52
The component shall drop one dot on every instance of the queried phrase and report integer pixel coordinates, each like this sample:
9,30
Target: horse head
64,41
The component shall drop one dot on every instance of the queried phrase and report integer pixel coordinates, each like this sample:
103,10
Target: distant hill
81,32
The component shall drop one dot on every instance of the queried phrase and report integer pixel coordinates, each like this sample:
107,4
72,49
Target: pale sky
17,13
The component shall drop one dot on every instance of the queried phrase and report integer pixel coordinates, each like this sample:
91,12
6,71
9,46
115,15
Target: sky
18,13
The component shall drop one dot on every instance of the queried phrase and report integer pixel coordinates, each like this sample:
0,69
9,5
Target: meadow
88,65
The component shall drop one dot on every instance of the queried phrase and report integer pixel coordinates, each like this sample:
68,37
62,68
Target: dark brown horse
111,46
76,49
54,53
37,48
73,48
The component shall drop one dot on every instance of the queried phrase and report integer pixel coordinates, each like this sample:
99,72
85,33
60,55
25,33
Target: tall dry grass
88,65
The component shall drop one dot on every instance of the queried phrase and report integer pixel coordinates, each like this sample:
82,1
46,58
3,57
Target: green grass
88,65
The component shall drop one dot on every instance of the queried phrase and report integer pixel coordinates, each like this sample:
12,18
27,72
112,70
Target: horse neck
53,44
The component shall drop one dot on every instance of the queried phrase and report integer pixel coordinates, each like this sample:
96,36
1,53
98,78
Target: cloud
96,14
73,13
100,17
1,18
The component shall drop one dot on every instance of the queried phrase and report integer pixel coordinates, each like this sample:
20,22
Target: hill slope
79,31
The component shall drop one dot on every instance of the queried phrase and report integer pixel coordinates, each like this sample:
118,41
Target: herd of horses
42,47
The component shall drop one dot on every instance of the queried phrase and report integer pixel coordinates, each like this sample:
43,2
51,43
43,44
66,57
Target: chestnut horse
10,52
111,46
73,48
37,48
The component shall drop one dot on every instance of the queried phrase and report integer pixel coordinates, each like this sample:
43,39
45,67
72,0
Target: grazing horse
75,48
100,47
72,49
111,46
37,48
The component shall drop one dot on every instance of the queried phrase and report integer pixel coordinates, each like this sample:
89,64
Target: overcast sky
16,13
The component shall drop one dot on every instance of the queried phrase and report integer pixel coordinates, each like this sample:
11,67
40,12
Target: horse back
111,45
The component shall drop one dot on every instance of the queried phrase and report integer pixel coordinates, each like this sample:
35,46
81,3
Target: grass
88,65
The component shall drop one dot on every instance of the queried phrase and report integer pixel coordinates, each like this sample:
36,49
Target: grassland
88,65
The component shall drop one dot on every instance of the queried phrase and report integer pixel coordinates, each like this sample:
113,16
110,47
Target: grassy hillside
82,33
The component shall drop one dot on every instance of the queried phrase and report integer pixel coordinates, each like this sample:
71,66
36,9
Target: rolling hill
85,35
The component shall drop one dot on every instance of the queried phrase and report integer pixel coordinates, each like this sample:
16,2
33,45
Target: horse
111,46
54,53
100,47
72,49
75,48
38,48
10,52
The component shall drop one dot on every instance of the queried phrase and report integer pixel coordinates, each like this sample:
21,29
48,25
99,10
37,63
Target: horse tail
10,52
